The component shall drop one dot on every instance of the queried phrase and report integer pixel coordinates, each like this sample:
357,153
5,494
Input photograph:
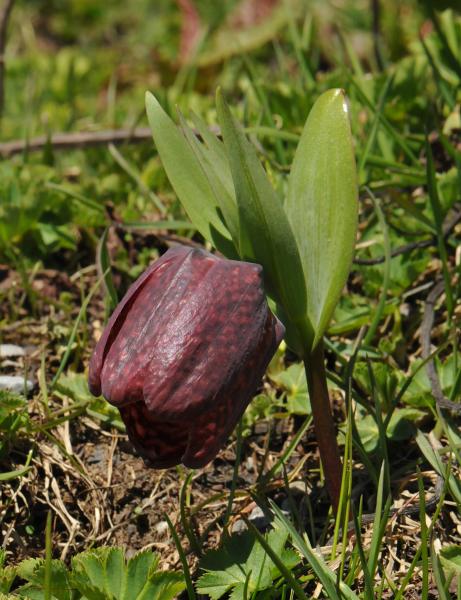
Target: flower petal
120,314
162,444
205,341
209,430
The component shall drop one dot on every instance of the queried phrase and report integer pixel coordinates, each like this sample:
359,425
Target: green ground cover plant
88,201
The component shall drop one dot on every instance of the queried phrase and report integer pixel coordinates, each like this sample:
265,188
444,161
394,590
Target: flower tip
94,384
279,332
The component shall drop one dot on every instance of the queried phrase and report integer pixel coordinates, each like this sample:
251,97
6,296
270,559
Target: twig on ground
4,18
448,227
71,141
76,140
425,336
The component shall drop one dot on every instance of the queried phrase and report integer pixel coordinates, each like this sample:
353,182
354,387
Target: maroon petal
162,444
210,430
206,342
120,314
151,326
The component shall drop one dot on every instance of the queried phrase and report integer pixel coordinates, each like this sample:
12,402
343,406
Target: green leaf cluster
99,574
242,567
305,241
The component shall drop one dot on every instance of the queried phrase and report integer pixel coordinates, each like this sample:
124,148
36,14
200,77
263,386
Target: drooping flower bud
184,353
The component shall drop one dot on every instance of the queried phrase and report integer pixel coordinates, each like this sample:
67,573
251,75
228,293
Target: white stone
10,350
15,384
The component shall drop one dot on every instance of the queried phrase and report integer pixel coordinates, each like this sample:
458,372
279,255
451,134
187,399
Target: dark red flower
183,354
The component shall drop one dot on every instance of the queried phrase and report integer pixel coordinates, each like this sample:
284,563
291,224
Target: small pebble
405,309
97,456
10,350
299,487
258,518
249,464
161,528
239,526
15,384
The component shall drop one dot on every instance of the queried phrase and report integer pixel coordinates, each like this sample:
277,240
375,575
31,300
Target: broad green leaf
401,427
114,572
75,386
7,573
163,586
137,574
7,577
28,567
213,143
187,178
293,381
265,233
322,205
419,392
216,583
88,573
103,573
33,571
450,557
240,557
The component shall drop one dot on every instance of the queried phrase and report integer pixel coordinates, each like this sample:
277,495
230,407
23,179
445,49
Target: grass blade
48,556
387,273
103,261
182,558
73,334
295,586
132,172
438,221
323,572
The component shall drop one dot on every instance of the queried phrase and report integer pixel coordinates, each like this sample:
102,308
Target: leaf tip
149,98
345,103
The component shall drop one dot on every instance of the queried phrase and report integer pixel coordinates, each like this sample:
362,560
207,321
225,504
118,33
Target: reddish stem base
324,425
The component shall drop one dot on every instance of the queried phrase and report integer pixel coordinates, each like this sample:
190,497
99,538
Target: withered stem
323,423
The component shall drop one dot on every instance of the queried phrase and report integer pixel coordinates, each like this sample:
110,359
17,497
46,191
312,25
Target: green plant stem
238,458
48,556
323,423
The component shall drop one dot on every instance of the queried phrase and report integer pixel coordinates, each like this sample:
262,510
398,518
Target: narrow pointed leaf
187,178
103,260
322,205
216,170
213,143
323,572
266,234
